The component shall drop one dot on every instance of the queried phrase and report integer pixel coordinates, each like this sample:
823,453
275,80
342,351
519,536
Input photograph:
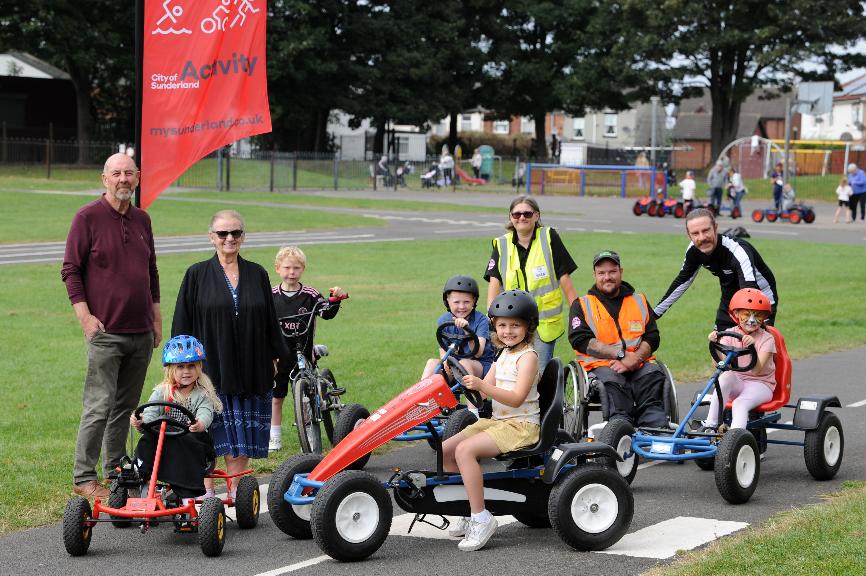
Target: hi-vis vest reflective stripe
633,318
539,280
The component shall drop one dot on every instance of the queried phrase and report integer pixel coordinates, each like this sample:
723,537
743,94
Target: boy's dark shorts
281,385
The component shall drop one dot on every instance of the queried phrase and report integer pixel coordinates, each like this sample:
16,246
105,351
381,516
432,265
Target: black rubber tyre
736,213
772,216
327,420
590,507
117,499
651,209
573,401
636,209
617,433
679,211
660,211
795,217
247,502
77,530
457,422
758,215
809,216
533,520
212,527
349,418
351,516
738,466
293,520
824,447
669,395
309,432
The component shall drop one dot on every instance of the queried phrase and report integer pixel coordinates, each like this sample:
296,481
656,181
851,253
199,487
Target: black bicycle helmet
460,284
515,304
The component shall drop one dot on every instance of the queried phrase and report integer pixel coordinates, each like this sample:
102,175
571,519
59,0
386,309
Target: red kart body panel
416,405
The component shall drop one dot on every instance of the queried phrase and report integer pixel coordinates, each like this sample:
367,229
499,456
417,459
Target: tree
733,48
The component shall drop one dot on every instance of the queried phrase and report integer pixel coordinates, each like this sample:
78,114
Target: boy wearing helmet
185,459
460,296
512,384
749,308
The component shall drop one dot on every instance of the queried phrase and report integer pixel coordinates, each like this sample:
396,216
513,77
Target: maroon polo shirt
110,263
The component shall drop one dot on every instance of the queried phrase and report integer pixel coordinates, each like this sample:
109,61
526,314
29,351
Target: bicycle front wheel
309,433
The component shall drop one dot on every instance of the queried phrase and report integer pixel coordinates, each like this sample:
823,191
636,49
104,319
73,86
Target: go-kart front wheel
77,528
291,519
636,209
617,434
809,216
212,527
590,507
824,447
351,516
757,215
117,499
349,419
247,502
795,217
737,466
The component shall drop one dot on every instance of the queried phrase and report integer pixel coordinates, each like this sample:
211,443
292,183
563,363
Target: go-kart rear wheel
351,516
669,394
736,212
533,519
651,209
824,447
349,419
117,499
772,216
77,527
212,526
809,216
660,211
679,211
247,502
636,209
590,507
309,431
795,217
291,519
457,421
617,433
706,464
738,466
758,215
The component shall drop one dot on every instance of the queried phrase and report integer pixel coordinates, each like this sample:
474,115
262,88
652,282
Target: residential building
846,120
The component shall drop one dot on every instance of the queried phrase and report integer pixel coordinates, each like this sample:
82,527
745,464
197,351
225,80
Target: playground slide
467,178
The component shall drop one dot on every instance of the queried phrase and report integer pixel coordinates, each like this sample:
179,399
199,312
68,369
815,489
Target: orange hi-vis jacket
632,321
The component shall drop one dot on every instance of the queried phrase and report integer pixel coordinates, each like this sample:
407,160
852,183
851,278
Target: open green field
381,338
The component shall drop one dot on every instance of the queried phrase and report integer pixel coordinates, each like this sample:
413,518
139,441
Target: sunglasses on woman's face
223,234
525,213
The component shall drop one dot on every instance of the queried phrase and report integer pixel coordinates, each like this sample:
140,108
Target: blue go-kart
735,453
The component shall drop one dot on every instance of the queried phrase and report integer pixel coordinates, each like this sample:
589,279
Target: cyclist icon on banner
220,15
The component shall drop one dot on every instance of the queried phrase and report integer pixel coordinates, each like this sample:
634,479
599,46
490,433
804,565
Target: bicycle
315,393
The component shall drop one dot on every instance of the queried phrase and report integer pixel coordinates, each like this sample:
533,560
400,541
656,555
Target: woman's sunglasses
526,214
223,234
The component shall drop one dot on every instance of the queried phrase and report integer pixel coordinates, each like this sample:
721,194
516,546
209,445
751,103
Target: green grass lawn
381,338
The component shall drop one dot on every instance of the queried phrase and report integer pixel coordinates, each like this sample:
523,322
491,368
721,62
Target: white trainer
477,535
458,527
275,443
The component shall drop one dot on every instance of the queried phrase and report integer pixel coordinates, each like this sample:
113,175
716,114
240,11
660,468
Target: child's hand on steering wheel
460,322
197,426
473,382
713,336
747,340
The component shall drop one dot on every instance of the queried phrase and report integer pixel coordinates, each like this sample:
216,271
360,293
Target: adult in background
735,263
226,303
110,273
613,332
857,181
717,179
532,257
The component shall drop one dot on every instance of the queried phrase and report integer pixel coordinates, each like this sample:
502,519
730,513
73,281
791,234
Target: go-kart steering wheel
464,336
457,369
173,427
719,352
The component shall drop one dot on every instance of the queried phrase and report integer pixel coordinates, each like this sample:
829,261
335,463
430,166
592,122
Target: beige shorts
508,435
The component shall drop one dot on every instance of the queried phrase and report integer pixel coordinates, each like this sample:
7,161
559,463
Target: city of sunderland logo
192,75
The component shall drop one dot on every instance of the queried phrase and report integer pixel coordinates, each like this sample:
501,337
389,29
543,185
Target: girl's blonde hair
843,182
494,337
202,381
290,252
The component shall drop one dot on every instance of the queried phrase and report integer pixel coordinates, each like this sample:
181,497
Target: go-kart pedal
335,392
127,473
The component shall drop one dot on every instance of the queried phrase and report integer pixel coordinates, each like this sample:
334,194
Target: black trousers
635,396
858,199
184,462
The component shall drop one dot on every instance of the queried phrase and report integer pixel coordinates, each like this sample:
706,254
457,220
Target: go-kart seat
782,392
551,389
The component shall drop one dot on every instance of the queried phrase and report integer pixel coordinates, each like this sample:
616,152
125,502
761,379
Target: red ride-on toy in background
796,214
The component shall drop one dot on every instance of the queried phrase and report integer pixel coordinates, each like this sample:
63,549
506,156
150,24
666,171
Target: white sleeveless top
506,378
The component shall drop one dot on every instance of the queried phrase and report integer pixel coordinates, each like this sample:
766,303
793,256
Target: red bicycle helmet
749,299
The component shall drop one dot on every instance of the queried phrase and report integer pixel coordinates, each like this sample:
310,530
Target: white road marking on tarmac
779,232
650,464
856,404
662,540
400,526
293,567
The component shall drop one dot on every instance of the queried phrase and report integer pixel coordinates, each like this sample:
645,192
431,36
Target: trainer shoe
477,535
91,489
275,443
458,527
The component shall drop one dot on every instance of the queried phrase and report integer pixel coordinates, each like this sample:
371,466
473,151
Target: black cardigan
240,348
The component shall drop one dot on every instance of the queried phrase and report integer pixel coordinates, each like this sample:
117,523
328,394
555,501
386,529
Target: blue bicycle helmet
181,349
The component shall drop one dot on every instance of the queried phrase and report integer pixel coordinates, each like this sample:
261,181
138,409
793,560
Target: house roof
29,66
695,114
852,90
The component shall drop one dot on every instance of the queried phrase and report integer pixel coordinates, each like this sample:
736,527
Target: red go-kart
659,207
554,483
795,214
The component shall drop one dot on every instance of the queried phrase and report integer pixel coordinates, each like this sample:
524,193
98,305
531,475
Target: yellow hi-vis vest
633,318
539,279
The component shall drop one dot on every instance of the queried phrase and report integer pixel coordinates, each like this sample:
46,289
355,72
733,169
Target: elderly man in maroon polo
110,274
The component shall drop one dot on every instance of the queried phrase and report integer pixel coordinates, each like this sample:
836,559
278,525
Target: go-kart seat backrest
551,389
782,392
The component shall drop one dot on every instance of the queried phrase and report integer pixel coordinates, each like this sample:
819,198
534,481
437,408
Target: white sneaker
458,527
477,535
275,443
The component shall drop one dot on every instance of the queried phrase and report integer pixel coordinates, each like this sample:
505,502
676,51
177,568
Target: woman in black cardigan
226,303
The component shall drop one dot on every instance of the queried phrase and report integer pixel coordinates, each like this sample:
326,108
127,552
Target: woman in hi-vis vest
532,257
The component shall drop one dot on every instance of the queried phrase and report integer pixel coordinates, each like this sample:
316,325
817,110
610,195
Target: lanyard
233,290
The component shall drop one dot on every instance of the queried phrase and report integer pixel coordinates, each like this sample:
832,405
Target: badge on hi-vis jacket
539,272
635,326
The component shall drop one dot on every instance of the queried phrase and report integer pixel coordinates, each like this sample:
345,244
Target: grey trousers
116,367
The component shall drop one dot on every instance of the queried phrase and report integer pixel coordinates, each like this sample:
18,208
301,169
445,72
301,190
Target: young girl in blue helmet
185,459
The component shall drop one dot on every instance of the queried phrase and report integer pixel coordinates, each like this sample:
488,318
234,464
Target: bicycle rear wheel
309,432
328,422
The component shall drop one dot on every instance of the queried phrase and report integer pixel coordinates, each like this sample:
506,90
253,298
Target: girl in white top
843,192
512,384
687,187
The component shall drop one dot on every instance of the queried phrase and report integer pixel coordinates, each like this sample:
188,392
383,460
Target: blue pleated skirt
244,426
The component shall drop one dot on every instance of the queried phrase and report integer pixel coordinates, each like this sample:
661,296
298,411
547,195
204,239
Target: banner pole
139,77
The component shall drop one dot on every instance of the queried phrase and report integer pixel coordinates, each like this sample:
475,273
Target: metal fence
44,156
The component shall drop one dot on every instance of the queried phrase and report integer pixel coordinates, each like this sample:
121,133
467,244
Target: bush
506,145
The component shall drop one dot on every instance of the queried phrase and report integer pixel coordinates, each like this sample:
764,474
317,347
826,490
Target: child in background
291,298
460,296
185,459
749,308
789,197
843,192
512,384
687,190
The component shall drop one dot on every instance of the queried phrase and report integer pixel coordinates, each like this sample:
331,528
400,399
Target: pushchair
432,178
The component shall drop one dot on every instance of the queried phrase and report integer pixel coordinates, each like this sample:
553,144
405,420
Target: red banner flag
204,83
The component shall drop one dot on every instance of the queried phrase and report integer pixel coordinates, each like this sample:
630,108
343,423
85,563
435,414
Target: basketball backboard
815,98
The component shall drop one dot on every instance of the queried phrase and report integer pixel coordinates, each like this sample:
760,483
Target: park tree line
414,61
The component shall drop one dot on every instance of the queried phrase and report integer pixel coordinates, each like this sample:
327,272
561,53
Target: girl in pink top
749,308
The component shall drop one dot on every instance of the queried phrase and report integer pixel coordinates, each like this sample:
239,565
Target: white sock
209,494
276,431
482,517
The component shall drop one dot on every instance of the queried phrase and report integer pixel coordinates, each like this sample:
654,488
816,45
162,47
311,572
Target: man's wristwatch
620,354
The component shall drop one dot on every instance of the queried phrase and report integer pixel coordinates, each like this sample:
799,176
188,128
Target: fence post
336,170
228,170
48,149
272,170
4,158
623,181
219,174
294,171
517,173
